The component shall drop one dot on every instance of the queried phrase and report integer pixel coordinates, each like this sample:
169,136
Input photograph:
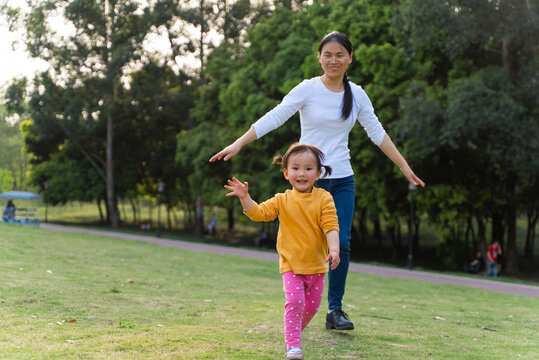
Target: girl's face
302,171
334,59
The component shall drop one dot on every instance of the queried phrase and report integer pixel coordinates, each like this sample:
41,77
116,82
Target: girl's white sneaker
294,354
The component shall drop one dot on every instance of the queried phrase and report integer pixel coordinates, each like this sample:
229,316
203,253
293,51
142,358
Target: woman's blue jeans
343,191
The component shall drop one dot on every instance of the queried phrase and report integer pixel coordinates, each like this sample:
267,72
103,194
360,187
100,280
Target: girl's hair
299,148
335,36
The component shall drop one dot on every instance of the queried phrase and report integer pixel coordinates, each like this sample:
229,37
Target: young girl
308,228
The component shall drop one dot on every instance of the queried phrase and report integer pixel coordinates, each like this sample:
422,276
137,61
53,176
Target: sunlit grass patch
80,296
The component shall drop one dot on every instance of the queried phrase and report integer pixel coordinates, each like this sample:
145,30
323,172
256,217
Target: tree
471,94
156,108
105,44
6,180
229,20
77,181
13,157
231,100
270,67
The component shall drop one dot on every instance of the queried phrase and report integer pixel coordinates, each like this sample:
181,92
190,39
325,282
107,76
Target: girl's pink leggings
303,296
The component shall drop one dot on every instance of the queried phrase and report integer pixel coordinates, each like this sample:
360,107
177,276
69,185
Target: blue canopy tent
20,195
30,217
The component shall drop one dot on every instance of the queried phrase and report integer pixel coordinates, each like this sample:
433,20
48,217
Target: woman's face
334,59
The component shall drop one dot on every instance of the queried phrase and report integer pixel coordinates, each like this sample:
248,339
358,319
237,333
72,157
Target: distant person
212,225
476,265
308,236
329,107
493,253
9,211
262,240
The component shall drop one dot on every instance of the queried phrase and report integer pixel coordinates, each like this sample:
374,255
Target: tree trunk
186,217
512,254
202,30
122,213
109,98
378,231
190,218
511,250
354,240
111,197
481,236
150,208
199,215
230,213
169,220
416,236
134,209
506,57
530,233
100,211
470,233
199,209
399,235
497,228
393,233
363,224
174,216
107,212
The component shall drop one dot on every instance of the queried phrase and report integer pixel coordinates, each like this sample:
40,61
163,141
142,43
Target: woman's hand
237,188
236,146
227,152
412,178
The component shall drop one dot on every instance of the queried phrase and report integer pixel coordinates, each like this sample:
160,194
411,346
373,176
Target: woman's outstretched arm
393,153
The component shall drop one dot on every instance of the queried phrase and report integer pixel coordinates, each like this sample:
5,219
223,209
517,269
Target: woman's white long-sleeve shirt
321,122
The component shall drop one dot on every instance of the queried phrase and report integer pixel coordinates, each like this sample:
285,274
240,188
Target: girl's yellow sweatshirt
304,219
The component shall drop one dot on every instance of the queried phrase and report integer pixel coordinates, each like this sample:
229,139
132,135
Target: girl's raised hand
237,188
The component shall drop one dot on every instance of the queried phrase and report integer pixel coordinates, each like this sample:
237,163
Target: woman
329,106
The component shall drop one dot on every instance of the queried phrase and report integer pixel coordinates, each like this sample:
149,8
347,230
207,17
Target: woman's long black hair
348,99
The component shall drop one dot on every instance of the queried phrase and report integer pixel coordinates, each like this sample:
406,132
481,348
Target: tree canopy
455,84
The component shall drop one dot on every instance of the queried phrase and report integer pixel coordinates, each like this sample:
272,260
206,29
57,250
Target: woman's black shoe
338,320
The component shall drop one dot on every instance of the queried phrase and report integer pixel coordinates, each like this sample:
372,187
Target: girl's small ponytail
327,168
277,159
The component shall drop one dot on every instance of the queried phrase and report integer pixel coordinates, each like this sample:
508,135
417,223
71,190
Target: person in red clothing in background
493,251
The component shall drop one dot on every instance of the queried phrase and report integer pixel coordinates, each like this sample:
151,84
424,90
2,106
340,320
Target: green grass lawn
66,296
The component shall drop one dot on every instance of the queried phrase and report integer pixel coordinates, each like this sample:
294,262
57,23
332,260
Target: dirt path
479,283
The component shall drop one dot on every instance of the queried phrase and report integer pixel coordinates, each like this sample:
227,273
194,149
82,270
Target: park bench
24,216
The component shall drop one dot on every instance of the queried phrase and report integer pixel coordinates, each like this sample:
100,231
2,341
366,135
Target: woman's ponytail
347,100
